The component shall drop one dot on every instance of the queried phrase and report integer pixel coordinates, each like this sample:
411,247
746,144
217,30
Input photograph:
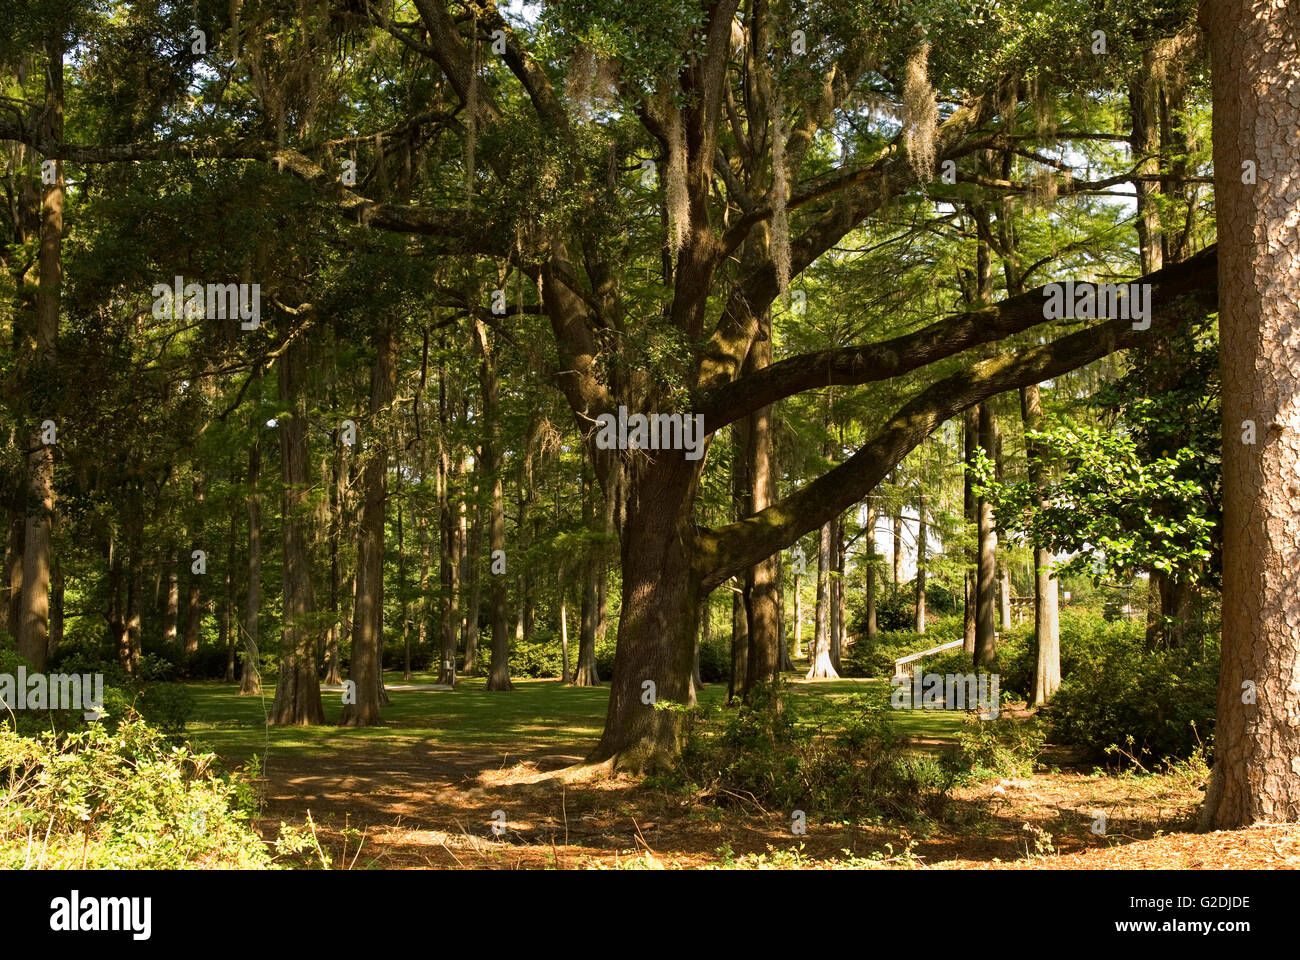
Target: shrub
1002,747
542,657
166,706
120,799
1165,701
830,758
715,661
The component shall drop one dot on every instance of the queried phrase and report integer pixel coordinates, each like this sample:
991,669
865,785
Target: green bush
542,657
1002,747
1164,702
121,799
715,661
166,706
833,759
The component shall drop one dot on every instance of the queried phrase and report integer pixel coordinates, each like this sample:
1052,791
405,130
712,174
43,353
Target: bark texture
1256,87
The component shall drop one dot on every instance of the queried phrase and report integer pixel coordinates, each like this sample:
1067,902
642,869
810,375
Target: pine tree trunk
448,564
193,599
837,596
338,494
970,430
297,692
1047,630
474,589
117,632
226,636
250,677
1256,88
919,622
898,549
367,666
498,598
585,673
798,617
1004,595
564,639
401,592
135,592
739,645
171,612
872,628
821,666
34,608
985,585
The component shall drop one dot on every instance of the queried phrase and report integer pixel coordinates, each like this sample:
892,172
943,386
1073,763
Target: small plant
783,752
1005,747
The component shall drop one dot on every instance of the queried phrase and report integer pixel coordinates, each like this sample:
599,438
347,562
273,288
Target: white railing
901,662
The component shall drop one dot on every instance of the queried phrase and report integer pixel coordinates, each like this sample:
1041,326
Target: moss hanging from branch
678,199
920,112
578,82
780,197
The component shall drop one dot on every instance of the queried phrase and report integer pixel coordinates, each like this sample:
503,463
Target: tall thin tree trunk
1047,630
226,637
337,497
474,590
739,645
401,592
564,638
985,587
898,548
117,630
250,677
821,666
970,429
193,599
171,613
919,621
367,667
448,561
586,674
762,581
499,671
740,493
297,692
34,609
872,628
798,617
838,611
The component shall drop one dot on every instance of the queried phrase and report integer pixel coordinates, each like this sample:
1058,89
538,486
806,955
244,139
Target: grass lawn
536,714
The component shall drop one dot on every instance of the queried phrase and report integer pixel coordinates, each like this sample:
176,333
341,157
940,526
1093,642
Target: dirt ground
434,808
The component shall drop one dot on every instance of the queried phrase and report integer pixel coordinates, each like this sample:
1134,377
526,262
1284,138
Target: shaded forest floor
422,790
